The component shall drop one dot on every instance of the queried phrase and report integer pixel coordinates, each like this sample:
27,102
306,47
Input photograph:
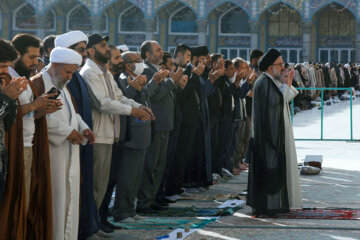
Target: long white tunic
64,165
292,173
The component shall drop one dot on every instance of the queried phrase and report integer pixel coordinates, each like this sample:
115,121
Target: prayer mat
320,213
217,197
195,212
165,223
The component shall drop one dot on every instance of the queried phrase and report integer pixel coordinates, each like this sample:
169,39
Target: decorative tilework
315,5
33,3
244,4
193,4
265,4
141,4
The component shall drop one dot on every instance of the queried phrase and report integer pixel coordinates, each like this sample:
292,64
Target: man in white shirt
107,102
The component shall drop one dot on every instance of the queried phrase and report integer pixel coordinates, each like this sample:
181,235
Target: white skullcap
70,38
327,64
65,56
123,48
347,65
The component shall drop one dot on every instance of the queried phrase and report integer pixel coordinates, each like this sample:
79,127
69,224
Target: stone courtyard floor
336,188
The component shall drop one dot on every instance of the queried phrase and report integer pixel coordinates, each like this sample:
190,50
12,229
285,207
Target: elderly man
130,167
89,217
66,131
107,102
272,149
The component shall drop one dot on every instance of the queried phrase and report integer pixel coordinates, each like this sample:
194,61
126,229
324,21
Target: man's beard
101,57
116,68
21,69
276,74
58,80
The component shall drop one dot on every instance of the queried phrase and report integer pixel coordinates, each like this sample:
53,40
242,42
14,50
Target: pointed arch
80,18
163,5
274,3
140,4
243,4
323,4
24,18
183,20
242,27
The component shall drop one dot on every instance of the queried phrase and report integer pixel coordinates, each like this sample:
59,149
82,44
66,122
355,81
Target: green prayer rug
165,223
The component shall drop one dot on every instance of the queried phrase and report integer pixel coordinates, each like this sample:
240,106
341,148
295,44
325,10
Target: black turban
268,59
199,51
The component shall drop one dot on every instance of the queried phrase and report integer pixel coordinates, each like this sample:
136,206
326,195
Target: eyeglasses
80,49
279,64
138,60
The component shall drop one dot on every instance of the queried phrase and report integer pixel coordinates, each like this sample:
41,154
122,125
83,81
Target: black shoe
162,203
158,207
165,200
147,210
105,228
110,225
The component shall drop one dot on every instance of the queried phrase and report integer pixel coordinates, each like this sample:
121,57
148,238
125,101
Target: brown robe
39,217
13,205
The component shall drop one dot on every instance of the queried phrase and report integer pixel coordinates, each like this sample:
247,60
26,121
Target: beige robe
64,165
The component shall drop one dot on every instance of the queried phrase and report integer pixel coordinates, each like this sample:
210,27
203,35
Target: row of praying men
81,119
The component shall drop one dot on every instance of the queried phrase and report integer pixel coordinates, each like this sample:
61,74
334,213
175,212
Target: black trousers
173,139
183,155
215,159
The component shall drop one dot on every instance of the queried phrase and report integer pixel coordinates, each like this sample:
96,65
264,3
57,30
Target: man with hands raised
162,104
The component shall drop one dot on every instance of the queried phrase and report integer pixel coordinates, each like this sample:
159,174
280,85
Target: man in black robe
267,185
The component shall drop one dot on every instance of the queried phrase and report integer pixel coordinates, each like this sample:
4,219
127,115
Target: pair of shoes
191,190
217,178
162,203
109,225
174,197
138,217
185,194
165,201
226,174
157,206
125,220
101,234
202,189
106,228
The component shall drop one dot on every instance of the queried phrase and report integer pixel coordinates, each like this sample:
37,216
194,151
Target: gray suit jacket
162,102
140,132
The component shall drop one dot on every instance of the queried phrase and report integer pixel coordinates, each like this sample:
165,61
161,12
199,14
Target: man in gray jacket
107,102
162,104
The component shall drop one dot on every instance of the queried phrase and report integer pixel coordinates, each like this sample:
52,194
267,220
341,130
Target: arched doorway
335,27
283,31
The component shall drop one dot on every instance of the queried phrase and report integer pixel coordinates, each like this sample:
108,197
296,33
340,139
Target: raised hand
14,88
160,76
183,81
134,84
214,75
199,69
176,76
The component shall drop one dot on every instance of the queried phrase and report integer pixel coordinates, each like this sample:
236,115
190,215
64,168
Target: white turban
65,56
347,65
123,48
70,38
